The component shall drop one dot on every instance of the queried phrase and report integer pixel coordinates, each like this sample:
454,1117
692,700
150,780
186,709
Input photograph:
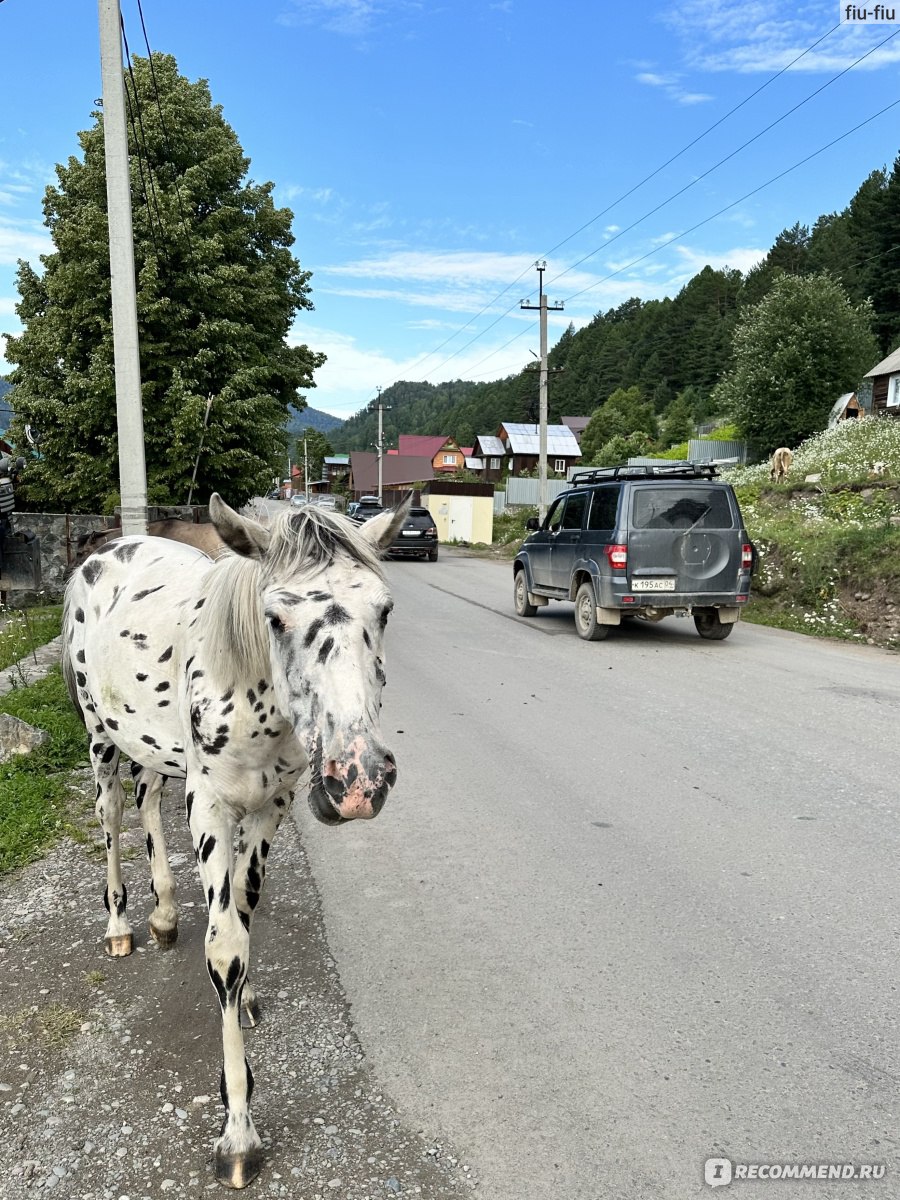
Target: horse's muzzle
354,787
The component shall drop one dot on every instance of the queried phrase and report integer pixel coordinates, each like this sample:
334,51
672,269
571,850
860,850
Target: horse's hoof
164,938
251,1015
120,946
237,1170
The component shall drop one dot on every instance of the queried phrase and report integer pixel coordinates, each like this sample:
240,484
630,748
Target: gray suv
642,541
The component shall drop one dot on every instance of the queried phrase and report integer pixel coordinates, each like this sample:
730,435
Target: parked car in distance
365,507
642,541
418,538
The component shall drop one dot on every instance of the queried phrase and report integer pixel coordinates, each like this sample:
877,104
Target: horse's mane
303,542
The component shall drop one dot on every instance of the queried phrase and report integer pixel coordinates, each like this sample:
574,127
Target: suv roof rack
669,470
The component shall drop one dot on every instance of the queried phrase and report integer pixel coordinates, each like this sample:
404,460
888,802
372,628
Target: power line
693,183
620,198
684,233
141,140
678,236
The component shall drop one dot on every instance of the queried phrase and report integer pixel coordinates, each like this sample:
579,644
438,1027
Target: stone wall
58,534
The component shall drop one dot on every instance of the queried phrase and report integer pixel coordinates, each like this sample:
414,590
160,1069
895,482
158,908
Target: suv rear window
681,508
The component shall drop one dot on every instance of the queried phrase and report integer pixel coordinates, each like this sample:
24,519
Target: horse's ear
240,534
384,528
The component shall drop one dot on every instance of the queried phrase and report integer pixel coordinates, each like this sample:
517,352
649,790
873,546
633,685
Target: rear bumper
414,549
674,600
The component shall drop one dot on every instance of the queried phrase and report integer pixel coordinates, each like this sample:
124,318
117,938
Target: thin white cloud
766,35
23,239
671,85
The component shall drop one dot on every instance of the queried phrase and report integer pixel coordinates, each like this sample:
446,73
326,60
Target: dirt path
109,1068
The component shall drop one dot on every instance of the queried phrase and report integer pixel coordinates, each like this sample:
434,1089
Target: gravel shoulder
109,1068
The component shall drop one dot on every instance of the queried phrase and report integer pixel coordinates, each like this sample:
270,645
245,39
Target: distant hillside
312,418
4,388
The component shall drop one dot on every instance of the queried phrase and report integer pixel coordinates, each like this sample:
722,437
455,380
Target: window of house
559,466
449,460
495,464
893,393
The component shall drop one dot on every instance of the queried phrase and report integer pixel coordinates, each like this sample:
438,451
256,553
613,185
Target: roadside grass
22,630
33,787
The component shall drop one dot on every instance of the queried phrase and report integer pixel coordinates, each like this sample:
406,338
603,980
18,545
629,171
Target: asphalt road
633,904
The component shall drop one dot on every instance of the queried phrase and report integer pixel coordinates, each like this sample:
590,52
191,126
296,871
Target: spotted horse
239,676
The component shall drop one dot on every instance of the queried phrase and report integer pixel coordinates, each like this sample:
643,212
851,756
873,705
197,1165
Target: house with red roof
445,453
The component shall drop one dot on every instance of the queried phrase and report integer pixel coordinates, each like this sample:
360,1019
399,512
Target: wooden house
521,444
446,454
879,392
488,458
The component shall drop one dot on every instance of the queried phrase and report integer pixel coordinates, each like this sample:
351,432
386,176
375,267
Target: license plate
653,585
412,533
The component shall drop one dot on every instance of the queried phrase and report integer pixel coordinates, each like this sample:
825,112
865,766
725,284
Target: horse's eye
275,623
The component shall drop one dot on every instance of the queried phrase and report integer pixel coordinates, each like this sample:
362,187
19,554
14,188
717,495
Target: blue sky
432,151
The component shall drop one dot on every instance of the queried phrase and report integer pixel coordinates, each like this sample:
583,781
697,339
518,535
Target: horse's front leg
255,838
238,1150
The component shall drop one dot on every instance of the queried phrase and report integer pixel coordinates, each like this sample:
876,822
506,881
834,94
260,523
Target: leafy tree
620,448
678,421
625,412
218,288
795,353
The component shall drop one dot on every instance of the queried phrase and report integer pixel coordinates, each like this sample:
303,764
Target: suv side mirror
532,523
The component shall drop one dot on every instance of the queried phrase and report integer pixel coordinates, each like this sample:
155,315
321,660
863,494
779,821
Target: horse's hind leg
148,787
255,836
110,796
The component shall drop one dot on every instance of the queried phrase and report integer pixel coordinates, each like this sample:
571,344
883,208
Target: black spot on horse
109,753
125,551
325,649
111,724
207,845
125,633
146,592
166,654
150,741
149,845
91,572
312,633
162,687
336,614
79,657
140,678
225,893
79,615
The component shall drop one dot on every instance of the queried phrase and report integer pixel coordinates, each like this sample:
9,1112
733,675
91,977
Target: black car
418,538
642,541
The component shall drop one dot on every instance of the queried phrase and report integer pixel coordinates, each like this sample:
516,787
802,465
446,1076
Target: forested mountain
678,347
311,418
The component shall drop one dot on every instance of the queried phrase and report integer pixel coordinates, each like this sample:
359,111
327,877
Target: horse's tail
68,669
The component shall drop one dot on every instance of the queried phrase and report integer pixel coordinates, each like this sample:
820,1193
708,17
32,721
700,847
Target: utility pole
129,410
306,470
379,445
542,307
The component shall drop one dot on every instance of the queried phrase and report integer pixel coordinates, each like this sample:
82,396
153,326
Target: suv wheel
523,608
710,627
432,555
586,621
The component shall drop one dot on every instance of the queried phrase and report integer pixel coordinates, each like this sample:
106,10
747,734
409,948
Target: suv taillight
746,557
618,557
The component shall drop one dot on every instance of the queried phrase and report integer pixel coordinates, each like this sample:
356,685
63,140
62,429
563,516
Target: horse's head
324,603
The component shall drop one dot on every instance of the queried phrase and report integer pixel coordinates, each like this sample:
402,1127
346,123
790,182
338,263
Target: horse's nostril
390,770
332,781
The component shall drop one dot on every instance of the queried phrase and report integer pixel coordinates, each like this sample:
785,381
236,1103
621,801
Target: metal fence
524,492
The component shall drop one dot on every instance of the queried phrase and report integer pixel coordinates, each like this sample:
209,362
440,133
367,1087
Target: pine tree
217,291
